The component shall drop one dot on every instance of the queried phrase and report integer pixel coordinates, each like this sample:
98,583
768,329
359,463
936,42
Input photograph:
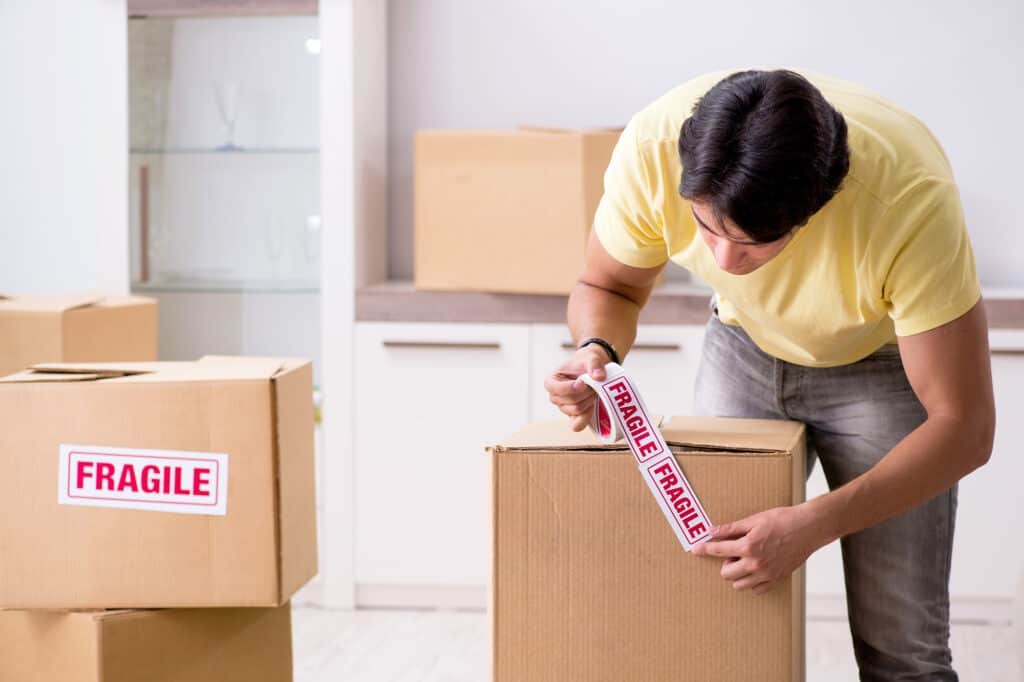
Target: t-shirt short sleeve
626,220
932,278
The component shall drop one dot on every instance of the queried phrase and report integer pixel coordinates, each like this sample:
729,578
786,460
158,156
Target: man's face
734,251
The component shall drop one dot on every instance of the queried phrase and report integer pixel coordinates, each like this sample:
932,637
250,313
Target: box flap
247,367
31,376
208,368
748,435
75,372
734,434
48,304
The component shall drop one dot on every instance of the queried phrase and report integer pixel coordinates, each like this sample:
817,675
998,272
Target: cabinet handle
566,345
454,345
1008,351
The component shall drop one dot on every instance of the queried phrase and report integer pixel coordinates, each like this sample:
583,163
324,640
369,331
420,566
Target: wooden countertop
672,303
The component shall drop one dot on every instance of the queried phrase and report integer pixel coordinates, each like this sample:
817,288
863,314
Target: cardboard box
506,210
202,472
590,583
174,645
78,328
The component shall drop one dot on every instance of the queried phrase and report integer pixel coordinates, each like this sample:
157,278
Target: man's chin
746,270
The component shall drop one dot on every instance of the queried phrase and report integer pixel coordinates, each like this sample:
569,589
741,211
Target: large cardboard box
174,645
78,328
136,485
590,584
506,210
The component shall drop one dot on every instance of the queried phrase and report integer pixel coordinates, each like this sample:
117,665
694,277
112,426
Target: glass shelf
297,286
225,152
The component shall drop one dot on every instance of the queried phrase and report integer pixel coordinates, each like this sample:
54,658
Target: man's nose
728,255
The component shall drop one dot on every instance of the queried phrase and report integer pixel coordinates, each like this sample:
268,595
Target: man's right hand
568,393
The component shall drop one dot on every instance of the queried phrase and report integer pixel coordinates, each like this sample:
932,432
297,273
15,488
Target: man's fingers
580,423
573,399
582,408
751,581
561,384
720,548
734,569
732,530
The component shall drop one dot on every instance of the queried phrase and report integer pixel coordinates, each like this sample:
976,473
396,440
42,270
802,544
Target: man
829,226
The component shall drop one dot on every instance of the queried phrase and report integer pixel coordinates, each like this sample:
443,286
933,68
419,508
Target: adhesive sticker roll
603,423
620,412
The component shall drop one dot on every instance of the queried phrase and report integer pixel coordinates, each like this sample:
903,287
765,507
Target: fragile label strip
620,412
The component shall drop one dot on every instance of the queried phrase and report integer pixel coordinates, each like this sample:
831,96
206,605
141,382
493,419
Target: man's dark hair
764,149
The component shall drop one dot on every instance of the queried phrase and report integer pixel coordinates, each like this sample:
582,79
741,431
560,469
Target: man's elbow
983,433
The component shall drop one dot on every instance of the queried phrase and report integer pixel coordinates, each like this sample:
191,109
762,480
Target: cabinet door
988,559
663,362
429,399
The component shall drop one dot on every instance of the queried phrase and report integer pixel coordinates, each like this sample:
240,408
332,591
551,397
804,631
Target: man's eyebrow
723,236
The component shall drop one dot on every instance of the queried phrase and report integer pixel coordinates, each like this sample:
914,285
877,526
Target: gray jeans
897,573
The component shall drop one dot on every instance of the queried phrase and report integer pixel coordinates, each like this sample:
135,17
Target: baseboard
453,597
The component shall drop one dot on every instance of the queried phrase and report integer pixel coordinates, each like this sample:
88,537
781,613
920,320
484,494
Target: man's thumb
595,367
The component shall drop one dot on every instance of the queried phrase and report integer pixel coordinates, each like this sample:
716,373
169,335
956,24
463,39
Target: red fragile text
149,478
682,502
633,418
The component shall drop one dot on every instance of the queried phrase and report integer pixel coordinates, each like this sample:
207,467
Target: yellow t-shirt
888,255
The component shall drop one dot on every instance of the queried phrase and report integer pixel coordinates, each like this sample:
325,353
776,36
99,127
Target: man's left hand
762,550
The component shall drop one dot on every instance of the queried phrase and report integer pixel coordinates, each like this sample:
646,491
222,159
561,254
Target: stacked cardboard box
590,583
197,645
75,328
524,199
155,485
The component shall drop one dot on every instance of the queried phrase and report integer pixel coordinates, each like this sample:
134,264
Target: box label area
618,397
181,482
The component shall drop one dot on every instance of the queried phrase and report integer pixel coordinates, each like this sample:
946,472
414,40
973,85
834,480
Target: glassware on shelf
312,235
226,93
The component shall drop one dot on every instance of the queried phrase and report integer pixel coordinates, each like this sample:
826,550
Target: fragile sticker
620,412
181,482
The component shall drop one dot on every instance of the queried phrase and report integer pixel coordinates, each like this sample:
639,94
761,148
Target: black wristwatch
604,344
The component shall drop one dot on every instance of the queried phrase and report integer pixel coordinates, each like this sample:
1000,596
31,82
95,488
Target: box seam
275,438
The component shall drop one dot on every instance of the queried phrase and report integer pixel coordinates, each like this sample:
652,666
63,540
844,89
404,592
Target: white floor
451,646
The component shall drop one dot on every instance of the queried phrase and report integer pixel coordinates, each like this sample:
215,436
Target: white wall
492,63
64,138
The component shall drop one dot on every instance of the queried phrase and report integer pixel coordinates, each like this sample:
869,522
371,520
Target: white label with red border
620,412
182,482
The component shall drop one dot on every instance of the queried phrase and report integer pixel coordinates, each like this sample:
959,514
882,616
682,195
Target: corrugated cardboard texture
60,556
79,328
176,645
506,210
590,585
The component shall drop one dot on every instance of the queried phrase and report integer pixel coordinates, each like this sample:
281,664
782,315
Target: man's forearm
608,315
928,461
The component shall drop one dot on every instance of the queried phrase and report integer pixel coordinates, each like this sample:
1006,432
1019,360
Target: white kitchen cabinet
428,399
988,559
663,362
